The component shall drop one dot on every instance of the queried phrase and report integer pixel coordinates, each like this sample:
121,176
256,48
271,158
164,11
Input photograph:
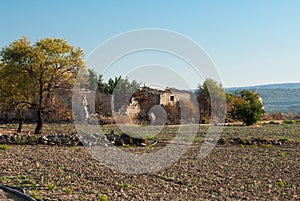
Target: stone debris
112,138
89,140
50,139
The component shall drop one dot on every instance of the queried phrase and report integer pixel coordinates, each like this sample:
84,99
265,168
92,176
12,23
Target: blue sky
251,42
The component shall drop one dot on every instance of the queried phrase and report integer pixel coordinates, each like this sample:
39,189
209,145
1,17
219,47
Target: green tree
110,86
41,69
92,78
13,86
248,107
122,91
209,94
10,101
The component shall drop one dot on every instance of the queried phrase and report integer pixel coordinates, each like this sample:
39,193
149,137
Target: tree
92,78
122,91
209,94
44,67
248,107
13,89
119,89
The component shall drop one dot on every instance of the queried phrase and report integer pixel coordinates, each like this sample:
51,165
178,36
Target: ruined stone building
179,105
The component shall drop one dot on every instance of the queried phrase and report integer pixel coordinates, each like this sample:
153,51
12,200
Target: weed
126,145
283,193
188,185
51,187
281,154
198,139
280,184
5,178
126,185
31,139
284,139
36,195
4,146
253,146
267,146
27,140
162,177
73,147
103,198
204,120
243,141
298,155
288,185
69,190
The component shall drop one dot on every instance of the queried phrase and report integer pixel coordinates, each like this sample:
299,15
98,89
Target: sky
250,42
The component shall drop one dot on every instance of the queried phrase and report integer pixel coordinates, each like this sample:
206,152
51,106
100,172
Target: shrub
273,122
248,108
289,122
204,120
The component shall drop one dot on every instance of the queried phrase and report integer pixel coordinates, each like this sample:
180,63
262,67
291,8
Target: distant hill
276,97
267,86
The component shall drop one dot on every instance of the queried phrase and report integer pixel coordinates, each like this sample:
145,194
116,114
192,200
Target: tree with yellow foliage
33,73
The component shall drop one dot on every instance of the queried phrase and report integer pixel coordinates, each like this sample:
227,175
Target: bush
204,120
248,108
273,122
289,122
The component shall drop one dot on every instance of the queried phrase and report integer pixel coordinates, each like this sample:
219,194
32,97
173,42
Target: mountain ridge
291,85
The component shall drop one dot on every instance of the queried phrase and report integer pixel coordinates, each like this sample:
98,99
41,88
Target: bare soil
228,173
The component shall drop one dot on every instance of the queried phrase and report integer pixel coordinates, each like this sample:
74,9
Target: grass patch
283,139
151,138
126,185
4,146
36,195
69,190
280,184
103,198
27,140
51,187
243,141
267,146
5,178
126,145
198,139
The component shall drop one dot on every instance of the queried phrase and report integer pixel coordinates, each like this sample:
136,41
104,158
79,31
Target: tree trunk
21,121
6,118
20,114
40,122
